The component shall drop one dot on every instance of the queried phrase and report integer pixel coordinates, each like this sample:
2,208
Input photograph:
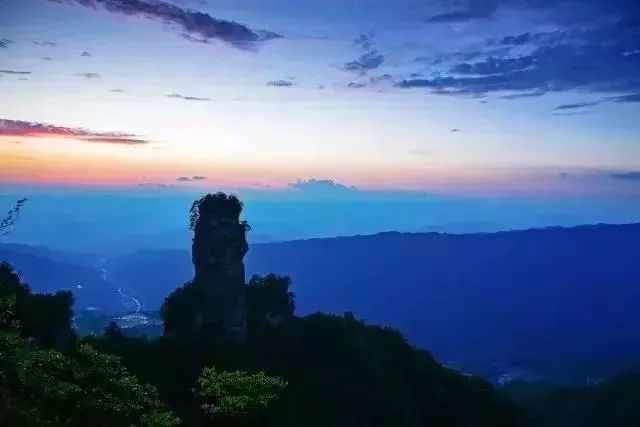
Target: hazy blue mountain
533,303
47,271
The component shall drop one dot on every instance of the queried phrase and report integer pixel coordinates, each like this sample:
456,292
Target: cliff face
219,247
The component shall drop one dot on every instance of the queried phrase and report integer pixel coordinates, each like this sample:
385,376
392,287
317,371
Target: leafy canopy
236,393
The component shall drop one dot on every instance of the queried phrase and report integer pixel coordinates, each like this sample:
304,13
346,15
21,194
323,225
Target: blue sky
431,95
468,98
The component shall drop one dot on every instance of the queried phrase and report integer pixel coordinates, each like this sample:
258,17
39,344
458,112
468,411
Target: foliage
42,386
44,317
219,205
233,394
611,403
179,309
12,216
269,300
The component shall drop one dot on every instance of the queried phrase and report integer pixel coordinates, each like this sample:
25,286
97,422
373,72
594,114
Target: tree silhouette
12,216
269,301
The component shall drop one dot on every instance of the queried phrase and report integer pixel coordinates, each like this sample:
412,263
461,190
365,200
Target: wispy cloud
313,185
523,95
473,9
187,98
90,76
17,157
153,185
573,113
280,83
627,176
576,106
25,129
633,97
46,44
16,72
598,57
195,24
191,178
364,41
366,62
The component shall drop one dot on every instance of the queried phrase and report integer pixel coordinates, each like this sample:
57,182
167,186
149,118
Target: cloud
89,76
467,10
85,54
321,187
193,178
153,185
356,85
364,41
633,97
17,157
373,80
627,176
46,43
194,24
122,140
523,95
517,40
4,43
573,113
367,61
576,105
24,129
598,57
474,9
15,72
186,98
280,83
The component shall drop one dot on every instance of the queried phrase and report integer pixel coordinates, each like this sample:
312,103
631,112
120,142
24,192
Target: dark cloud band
196,25
25,129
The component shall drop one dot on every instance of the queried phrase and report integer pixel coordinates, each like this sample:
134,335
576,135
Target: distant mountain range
554,302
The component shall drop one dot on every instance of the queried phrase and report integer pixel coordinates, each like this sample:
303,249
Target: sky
448,96
485,100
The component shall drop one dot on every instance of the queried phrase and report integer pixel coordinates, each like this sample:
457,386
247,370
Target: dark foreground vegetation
235,354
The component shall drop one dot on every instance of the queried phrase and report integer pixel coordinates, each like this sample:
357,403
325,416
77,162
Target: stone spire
219,247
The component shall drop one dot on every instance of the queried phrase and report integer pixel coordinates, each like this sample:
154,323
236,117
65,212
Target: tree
236,394
12,216
43,317
40,387
269,301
